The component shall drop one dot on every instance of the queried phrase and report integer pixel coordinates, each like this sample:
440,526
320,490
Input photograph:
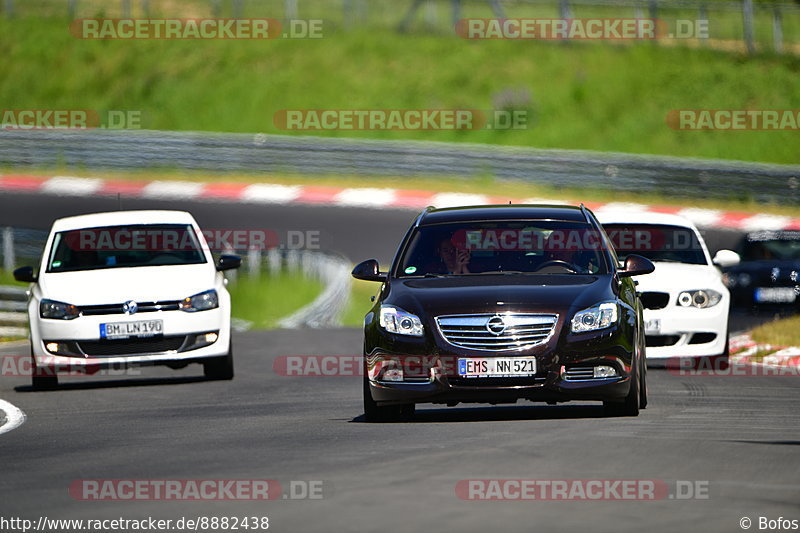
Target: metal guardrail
13,312
232,152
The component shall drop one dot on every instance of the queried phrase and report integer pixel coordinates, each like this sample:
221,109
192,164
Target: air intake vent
655,300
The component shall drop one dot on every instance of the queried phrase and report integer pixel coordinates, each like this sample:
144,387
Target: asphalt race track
735,435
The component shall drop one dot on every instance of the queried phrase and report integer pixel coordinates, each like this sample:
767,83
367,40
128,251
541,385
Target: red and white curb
744,349
377,198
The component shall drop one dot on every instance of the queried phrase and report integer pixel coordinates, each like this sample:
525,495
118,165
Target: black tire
630,405
643,387
43,378
219,368
389,413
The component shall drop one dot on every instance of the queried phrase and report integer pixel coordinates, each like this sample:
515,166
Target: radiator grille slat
497,332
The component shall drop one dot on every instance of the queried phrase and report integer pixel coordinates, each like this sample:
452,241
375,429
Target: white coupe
685,302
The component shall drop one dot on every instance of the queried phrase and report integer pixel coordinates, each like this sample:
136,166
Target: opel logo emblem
130,307
496,325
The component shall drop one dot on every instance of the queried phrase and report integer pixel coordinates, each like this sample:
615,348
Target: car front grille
133,346
497,332
655,300
118,309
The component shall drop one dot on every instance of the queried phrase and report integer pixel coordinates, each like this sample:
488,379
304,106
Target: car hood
498,293
117,285
670,277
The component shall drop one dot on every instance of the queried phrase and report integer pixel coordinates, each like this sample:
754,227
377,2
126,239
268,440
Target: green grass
360,303
265,299
783,332
581,96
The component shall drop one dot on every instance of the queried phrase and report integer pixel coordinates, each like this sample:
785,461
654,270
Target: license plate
124,330
652,326
784,295
497,367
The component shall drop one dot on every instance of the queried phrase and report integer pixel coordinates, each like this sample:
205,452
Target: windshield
528,247
657,242
783,245
125,246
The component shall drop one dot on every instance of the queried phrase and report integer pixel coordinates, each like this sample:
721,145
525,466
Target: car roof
643,217
502,212
121,218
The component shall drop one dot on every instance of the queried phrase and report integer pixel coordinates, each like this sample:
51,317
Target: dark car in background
493,304
769,273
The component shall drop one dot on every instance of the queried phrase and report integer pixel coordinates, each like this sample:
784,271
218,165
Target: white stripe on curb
67,185
366,197
14,417
701,217
270,194
457,199
172,189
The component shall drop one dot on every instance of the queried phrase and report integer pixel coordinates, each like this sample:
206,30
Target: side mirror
25,274
636,265
726,258
228,262
369,271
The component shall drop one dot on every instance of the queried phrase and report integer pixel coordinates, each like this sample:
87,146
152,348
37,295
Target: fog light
392,374
211,338
52,347
604,371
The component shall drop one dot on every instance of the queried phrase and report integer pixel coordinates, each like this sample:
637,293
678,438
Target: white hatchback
685,302
126,289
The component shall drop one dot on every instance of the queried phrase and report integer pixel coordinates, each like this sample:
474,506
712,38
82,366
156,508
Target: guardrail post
430,12
652,7
777,29
216,9
703,16
290,9
9,9
72,8
146,8
237,9
8,249
253,262
564,9
126,9
747,19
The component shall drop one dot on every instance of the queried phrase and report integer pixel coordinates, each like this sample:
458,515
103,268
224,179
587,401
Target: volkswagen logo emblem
130,307
496,325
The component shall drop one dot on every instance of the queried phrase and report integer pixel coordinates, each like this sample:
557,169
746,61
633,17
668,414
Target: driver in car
452,259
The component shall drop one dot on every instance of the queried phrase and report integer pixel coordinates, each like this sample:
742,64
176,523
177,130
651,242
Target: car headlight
701,299
58,310
200,302
596,317
395,320
744,279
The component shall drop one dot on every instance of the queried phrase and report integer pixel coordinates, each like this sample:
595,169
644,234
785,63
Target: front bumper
687,331
434,379
84,348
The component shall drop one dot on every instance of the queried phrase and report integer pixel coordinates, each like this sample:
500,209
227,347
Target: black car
493,304
769,272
